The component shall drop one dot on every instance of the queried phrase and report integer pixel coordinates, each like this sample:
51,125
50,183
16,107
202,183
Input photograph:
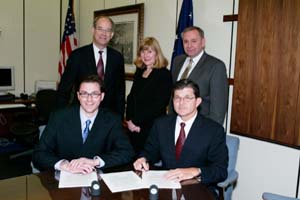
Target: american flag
69,41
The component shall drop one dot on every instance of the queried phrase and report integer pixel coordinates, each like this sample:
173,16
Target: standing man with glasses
83,137
96,58
207,71
189,145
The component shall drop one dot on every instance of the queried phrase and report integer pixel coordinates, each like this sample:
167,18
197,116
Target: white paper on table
157,178
122,181
128,180
68,179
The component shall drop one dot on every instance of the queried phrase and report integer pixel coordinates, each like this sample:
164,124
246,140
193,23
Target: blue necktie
86,130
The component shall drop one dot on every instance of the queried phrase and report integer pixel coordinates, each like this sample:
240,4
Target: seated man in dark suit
83,137
188,144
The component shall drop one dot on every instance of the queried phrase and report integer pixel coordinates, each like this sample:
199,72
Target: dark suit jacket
205,147
62,139
82,63
148,100
210,75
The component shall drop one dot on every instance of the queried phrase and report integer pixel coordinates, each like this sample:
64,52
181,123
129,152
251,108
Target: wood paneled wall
266,101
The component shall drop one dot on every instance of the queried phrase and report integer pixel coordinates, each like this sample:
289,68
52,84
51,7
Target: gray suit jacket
210,75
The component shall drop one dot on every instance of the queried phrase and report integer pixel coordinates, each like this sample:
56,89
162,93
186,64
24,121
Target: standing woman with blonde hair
150,92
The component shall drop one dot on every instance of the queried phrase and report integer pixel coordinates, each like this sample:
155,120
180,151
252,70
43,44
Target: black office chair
45,103
27,132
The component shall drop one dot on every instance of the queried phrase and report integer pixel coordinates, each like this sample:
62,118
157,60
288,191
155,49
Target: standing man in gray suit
207,71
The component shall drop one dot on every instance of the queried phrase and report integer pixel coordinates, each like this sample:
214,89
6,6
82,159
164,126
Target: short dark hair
92,79
186,83
191,28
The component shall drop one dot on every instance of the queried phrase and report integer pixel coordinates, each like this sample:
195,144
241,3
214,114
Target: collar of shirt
187,128
83,119
97,56
186,62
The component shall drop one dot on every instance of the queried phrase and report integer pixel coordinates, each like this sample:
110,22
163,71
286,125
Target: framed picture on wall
128,33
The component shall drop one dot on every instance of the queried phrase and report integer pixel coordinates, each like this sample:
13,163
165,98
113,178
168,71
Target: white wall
11,39
262,166
41,41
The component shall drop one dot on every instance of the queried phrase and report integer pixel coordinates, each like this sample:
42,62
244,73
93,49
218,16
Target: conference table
45,186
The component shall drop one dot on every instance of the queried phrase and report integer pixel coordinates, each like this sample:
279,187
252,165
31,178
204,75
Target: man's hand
141,164
80,165
181,174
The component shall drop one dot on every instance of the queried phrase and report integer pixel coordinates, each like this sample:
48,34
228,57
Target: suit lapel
109,68
195,130
170,139
99,126
177,68
74,125
198,68
91,58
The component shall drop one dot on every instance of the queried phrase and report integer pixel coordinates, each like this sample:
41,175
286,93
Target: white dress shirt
97,55
188,125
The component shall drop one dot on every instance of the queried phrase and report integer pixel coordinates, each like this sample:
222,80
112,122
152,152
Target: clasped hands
179,174
80,165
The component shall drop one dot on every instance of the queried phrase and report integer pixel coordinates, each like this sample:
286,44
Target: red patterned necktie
100,66
180,141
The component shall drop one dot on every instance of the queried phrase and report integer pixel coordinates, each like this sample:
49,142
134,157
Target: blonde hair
151,42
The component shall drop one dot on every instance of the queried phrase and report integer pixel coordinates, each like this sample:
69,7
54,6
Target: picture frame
128,32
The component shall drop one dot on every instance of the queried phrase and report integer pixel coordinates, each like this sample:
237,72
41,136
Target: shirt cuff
198,177
57,165
102,163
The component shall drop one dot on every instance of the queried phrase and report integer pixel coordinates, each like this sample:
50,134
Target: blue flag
185,20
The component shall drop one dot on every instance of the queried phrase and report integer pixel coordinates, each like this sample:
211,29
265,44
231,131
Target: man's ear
102,96
203,42
198,101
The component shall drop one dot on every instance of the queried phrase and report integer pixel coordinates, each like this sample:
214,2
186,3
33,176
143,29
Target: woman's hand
132,127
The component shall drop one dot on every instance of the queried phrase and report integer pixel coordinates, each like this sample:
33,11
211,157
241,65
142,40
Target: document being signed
68,179
123,181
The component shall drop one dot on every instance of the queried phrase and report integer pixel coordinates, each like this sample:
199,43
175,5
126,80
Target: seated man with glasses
83,137
188,144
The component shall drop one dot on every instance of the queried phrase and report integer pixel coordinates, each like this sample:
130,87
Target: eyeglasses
103,30
94,95
185,99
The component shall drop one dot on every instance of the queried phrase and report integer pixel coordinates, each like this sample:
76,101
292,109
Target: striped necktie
185,74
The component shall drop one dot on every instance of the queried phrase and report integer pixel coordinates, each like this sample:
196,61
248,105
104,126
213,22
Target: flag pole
176,16
60,23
